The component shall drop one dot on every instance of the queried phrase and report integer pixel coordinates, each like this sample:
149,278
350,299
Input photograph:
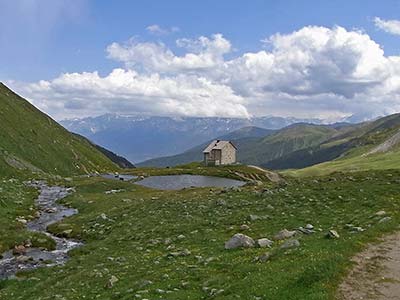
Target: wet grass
131,234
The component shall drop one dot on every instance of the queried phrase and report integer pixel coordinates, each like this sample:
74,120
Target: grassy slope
258,150
357,144
285,141
33,141
130,242
239,137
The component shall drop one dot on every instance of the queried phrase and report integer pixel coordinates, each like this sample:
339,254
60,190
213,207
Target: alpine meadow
199,150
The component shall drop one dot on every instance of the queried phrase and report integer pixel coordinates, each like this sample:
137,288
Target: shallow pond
178,182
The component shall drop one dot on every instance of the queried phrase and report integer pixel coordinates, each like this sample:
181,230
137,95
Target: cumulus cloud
158,30
390,26
205,54
330,73
125,91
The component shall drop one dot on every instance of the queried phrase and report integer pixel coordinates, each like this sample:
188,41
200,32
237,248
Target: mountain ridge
30,141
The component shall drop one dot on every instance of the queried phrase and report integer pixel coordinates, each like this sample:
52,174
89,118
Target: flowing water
50,212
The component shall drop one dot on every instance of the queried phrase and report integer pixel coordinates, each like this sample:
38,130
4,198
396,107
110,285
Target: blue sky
43,39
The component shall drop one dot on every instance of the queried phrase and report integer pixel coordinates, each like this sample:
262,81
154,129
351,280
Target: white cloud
329,73
390,26
206,53
158,30
122,91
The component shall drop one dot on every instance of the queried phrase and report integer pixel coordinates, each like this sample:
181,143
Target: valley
293,233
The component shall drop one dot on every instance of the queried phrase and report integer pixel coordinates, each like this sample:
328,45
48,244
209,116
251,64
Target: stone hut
220,153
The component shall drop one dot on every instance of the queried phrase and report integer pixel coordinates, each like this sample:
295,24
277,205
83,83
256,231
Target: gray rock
380,213
264,257
240,240
309,227
220,202
332,234
244,227
284,234
264,242
23,259
113,280
290,244
385,219
184,252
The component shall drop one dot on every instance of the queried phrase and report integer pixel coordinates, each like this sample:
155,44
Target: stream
29,258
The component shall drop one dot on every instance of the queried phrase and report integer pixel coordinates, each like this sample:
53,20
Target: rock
255,217
305,231
19,250
264,242
240,241
357,229
181,237
184,252
66,233
380,213
385,219
220,202
309,227
22,220
290,244
23,259
284,234
113,280
332,234
244,227
353,228
263,257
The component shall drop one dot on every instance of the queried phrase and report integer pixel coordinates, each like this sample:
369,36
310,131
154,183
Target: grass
17,200
31,141
130,234
379,161
239,172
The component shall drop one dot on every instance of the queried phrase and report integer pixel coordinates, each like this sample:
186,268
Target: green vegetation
133,235
303,145
30,141
381,161
239,172
149,244
16,204
239,137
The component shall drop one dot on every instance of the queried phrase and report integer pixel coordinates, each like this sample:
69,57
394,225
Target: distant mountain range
143,138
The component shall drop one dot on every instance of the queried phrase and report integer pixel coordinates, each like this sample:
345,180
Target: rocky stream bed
25,257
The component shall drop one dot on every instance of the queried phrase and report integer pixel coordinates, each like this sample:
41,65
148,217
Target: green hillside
371,145
31,141
239,137
258,146
283,142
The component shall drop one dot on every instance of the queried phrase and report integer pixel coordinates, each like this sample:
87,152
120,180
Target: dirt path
376,274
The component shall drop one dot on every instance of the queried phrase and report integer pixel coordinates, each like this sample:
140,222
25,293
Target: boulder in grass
239,240
332,234
284,234
264,242
290,244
